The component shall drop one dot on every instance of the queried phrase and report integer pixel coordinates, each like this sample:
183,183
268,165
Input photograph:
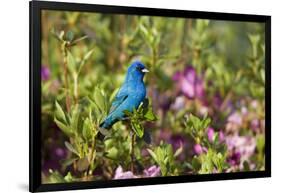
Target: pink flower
235,118
234,122
45,73
244,145
255,125
221,136
153,171
210,133
119,174
198,149
190,84
234,159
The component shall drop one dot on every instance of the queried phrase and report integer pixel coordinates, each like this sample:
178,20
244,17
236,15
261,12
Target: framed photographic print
126,96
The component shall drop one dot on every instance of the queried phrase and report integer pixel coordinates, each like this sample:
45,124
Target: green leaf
205,123
68,177
112,153
55,177
137,128
71,62
262,74
153,155
260,140
71,148
78,40
149,115
196,165
61,34
144,30
216,138
59,112
87,129
88,54
84,60
74,118
178,151
99,99
64,128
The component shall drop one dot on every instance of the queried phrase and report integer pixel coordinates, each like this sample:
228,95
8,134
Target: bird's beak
144,70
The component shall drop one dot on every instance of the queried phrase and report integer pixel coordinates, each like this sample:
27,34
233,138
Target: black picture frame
35,8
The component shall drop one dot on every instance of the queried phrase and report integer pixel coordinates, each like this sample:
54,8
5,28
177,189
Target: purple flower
119,174
178,141
153,171
234,122
244,145
210,133
60,153
255,125
235,118
217,100
45,73
190,84
234,159
221,136
179,103
198,149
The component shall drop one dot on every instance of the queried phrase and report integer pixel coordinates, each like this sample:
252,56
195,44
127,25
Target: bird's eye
139,68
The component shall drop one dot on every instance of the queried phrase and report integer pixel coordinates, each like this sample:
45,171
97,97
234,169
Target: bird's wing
119,99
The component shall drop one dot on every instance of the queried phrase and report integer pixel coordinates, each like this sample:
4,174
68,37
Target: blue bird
129,96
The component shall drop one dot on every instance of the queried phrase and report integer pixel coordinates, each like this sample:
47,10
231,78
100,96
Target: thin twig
132,152
67,97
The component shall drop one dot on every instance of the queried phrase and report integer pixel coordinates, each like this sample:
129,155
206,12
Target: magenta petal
221,136
199,89
153,171
177,76
198,149
45,73
119,174
188,89
190,74
210,133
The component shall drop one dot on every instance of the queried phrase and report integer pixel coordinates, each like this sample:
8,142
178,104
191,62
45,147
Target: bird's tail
105,124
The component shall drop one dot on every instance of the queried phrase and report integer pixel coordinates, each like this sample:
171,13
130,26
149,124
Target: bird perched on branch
129,96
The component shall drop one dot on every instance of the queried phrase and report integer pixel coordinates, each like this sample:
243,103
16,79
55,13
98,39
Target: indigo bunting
129,96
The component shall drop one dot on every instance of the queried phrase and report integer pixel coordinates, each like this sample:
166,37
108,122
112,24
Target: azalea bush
204,108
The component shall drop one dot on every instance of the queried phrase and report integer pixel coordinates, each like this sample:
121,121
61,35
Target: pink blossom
120,174
210,133
153,171
255,125
45,73
190,84
198,149
221,136
244,145
235,118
